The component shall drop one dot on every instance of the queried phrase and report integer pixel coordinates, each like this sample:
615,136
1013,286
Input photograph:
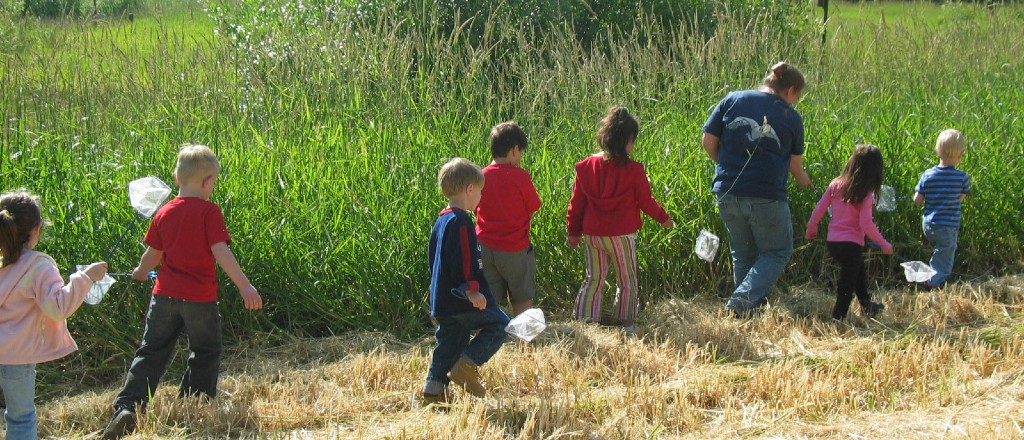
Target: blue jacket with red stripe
455,266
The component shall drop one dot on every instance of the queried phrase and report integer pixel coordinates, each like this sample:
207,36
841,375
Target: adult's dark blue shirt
759,133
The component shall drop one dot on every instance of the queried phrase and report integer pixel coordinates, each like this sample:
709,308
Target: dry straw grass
944,364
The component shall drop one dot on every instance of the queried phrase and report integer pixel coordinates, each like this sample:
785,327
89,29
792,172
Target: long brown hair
862,174
617,130
19,215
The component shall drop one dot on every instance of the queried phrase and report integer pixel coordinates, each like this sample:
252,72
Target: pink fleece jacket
34,306
849,222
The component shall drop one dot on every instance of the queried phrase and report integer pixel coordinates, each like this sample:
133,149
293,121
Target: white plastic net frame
147,194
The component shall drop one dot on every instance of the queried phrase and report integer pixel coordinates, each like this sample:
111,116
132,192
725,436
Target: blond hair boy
188,239
460,300
942,190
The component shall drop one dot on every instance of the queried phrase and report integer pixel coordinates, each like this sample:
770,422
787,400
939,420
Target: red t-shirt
607,198
185,229
506,205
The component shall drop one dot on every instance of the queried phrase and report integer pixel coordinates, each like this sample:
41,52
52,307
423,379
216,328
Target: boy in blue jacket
460,301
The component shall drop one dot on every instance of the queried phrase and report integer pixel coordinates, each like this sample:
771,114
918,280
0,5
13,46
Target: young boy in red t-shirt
188,239
503,220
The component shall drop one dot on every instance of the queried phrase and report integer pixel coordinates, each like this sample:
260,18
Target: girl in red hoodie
608,195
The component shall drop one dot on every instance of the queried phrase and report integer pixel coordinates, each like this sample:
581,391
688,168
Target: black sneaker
122,423
873,309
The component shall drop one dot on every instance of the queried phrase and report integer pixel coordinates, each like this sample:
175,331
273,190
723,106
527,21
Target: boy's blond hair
458,174
196,162
950,143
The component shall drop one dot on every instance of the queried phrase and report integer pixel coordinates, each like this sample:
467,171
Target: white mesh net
917,271
886,199
147,194
706,246
527,325
99,288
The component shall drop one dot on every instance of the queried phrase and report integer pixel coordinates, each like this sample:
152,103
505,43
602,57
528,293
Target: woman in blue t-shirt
756,139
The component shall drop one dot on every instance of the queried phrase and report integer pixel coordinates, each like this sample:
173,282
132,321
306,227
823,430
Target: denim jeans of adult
853,278
943,240
19,386
761,242
454,334
166,320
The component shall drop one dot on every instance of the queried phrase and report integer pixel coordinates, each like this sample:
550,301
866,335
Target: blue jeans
943,239
166,320
453,341
761,242
19,385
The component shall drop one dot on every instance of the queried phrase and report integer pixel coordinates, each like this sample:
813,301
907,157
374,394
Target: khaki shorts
510,275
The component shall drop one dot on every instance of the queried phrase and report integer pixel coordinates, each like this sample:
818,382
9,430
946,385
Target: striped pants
621,251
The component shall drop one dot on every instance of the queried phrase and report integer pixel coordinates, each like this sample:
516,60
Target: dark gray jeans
166,320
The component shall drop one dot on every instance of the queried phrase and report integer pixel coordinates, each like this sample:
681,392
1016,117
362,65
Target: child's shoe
467,375
122,423
629,330
873,309
435,399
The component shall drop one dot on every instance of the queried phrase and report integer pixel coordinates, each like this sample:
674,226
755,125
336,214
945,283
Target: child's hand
888,250
574,242
811,234
667,224
477,299
139,274
252,298
96,271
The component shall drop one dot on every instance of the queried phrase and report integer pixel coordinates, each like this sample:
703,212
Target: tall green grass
331,132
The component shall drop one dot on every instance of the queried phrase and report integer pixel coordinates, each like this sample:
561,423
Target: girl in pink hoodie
851,197
34,303
610,192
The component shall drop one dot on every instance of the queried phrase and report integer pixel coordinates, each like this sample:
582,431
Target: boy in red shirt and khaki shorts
507,204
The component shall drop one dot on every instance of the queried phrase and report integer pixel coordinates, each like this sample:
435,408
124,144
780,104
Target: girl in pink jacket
851,197
34,303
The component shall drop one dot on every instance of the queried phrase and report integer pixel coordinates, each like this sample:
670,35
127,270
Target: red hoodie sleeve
577,206
645,199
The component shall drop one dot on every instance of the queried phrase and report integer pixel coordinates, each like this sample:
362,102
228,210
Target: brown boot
435,399
467,375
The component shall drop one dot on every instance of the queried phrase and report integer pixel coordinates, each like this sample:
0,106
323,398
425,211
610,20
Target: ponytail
616,131
19,215
782,76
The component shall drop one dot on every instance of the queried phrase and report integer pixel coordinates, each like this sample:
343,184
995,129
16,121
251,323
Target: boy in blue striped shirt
941,190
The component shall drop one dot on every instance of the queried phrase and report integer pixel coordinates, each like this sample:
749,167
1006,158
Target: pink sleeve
867,222
819,211
56,300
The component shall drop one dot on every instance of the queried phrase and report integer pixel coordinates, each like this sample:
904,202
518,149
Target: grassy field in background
330,136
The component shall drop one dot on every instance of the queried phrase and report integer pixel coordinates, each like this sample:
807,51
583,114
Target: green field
330,136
